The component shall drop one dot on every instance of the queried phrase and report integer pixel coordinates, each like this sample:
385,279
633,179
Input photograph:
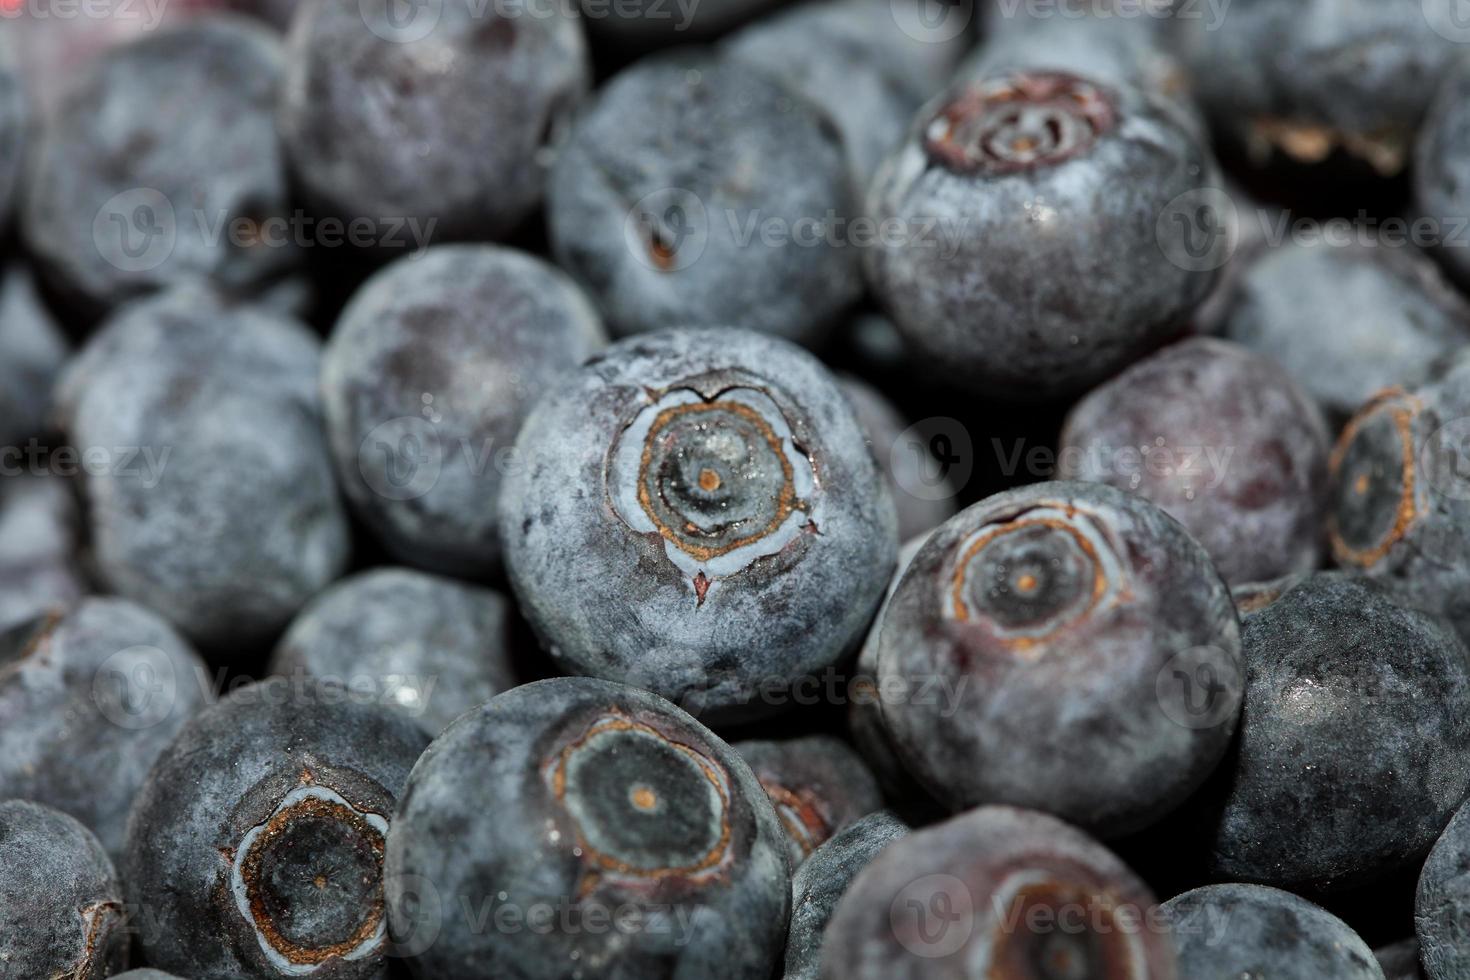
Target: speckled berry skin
585,795
32,351
1441,174
1398,499
1354,746
1313,81
1010,876
256,844
1224,441
225,519
40,568
1347,322
1400,961
1032,653
1226,932
692,184
817,784
61,910
468,100
426,380
14,135
823,879
696,512
903,467
89,698
432,646
1441,908
1072,190
161,145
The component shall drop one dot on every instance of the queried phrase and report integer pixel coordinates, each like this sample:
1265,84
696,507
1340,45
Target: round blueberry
256,844
426,380
693,185
1227,932
40,532
1442,904
32,351
1224,441
1038,175
209,489
428,647
902,465
574,801
995,892
1354,746
696,512
1347,322
442,115
1064,646
817,784
162,165
61,910
823,879
89,698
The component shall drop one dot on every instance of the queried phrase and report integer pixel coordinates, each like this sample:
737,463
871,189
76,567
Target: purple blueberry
1224,441
817,784
572,802
425,382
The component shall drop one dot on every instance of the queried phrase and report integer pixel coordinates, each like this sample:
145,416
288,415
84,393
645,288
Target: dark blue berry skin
40,528
145,974
903,468
14,134
586,796
467,100
1004,880
1441,174
1441,909
1072,190
817,784
432,646
425,382
1398,500
1321,84
1400,961
691,185
1029,653
32,351
823,879
1347,322
61,910
187,114
230,532
696,512
256,844
1354,746
89,698
1226,932
1236,452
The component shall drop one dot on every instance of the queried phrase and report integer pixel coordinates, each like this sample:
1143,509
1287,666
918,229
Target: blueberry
1398,503
256,843
1441,175
696,511
1037,173
1320,84
600,828
823,879
1354,746
995,892
432,647
1441,908
426,380
161,165
692,185
40,527
817,784
32,350
214,502
61,911
444,116
903,467
1224,441
145,974
1226,932
1400,961
90,697
1034,650
14,132
1348,321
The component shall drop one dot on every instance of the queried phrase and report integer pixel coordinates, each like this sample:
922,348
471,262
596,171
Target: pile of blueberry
734,490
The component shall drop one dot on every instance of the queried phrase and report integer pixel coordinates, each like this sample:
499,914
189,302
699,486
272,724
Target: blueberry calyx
1374,506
